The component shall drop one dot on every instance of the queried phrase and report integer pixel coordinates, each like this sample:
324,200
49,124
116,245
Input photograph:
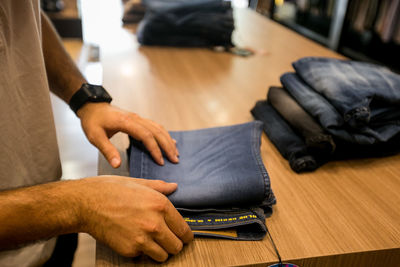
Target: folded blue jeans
318,141
187,23
294,148
364,98
332,121
222,181
291,145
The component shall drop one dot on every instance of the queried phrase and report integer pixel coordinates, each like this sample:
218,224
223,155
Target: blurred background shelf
68,21
367,30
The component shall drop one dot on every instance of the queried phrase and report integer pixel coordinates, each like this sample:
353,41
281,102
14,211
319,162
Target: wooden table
344,214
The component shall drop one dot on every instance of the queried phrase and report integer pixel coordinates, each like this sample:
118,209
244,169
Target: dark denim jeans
317,140
192,23
363,99
220,172
291,146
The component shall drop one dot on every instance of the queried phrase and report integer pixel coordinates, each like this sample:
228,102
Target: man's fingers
101,141
153,136
153,250
140,133
178,225
158,185
169,241
164,140
150,143
168,147
108,120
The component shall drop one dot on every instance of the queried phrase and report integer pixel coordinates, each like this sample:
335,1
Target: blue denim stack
332,109
223,187
188,23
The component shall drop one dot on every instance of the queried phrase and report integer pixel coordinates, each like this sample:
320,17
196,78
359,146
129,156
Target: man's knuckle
182,231
147,135
154,228
134,116
140,241
125,247
124,119
158,131
131,250
162,204
91,137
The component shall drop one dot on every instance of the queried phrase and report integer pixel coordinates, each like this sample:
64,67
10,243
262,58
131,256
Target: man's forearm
132,216
38,212
63,75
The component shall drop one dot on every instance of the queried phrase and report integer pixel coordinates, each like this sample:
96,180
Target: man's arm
132,216
37,212
63,75
100,121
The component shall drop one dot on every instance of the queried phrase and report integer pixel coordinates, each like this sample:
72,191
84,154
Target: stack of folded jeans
189,23
223,187
332,109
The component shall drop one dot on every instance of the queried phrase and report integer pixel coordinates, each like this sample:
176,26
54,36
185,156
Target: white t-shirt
29,152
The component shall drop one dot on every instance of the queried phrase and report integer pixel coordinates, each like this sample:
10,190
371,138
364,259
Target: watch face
88,93
98,94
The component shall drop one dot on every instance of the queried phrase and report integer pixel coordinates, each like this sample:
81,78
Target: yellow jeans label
230,233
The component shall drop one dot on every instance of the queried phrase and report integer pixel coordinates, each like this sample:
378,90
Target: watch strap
88,93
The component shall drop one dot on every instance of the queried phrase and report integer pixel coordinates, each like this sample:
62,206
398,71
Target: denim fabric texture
246,224
321,93
191,23
301,157
220,172
317,140
364,95
291,146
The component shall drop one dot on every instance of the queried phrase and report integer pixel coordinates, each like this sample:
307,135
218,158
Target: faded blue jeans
294,148
220,175
358,102
335,99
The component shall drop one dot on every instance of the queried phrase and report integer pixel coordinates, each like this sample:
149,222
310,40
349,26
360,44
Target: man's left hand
100,121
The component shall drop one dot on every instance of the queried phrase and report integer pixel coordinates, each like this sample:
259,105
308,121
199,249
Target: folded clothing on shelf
187,23
365,97
332,109
223,187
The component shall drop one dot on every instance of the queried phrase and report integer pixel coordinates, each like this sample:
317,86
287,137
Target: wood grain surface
346,213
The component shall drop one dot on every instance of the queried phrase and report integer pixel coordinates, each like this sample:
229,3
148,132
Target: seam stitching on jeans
256,155
141,164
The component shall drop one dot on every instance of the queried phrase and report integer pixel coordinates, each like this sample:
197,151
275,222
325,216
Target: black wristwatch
88,93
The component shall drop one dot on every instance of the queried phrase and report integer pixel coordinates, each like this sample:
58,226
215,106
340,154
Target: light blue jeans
220,172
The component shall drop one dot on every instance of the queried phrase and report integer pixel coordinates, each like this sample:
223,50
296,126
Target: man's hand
100,121
133,216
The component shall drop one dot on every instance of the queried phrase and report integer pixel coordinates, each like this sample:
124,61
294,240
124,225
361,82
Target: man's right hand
132,216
